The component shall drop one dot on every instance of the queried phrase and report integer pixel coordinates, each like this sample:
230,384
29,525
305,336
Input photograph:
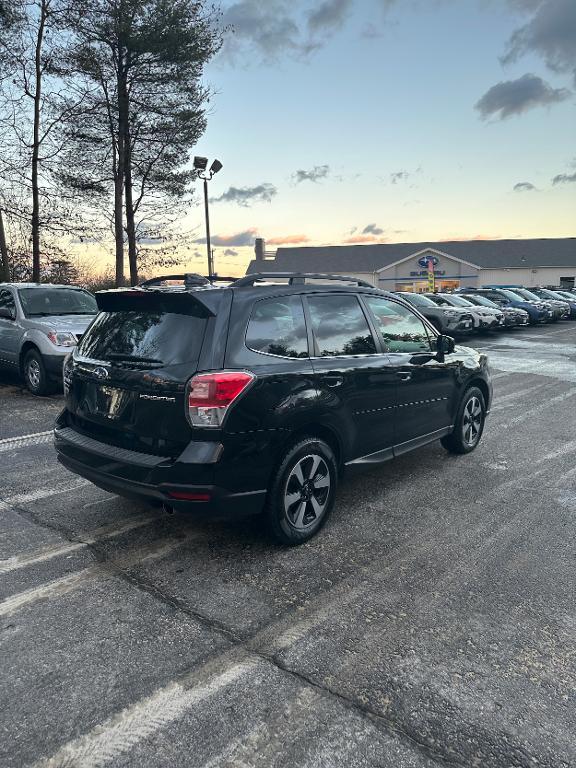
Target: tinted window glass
440,301
482,301
340,327
418,300
277,327
498,298
57,301
458,301
512,295
148,338
7,300
401,330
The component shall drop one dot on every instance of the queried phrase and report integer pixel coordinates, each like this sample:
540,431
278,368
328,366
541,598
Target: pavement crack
371,714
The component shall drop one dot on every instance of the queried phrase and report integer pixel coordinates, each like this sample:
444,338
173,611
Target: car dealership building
403,266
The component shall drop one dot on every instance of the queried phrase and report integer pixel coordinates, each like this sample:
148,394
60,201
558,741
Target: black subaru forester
254,396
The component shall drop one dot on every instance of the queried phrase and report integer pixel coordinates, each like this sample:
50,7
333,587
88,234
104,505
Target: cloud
372,229
288,240
246,196
275,28
361,239
230,241
230,252
399,176
524,186
329,16
315,174
269,27
551,33
513,97
564,178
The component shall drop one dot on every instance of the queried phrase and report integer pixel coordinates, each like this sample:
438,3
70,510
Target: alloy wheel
472,421
307,491
33,373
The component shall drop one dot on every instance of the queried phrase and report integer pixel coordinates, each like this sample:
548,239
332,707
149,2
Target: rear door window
340,326
144,339
277,327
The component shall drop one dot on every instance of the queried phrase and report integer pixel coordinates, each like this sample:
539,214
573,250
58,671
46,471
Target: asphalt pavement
432,622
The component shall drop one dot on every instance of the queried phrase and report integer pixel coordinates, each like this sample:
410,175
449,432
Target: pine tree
139,64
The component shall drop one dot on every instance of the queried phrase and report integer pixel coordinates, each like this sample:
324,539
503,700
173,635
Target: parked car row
493,307
40,324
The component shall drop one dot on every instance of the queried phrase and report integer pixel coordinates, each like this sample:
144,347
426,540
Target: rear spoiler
198,304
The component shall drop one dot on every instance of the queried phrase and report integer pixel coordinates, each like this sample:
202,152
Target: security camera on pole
200,165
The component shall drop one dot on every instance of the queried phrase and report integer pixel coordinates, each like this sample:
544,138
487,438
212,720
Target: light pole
200,165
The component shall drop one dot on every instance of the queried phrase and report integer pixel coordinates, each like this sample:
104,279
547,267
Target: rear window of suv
277,327
144,338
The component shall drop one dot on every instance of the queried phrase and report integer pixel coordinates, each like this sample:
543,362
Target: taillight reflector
211,394
184,496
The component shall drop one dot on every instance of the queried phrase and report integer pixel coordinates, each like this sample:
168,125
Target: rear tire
35,375
302,491
469,424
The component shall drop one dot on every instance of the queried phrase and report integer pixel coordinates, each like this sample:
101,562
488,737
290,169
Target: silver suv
39,325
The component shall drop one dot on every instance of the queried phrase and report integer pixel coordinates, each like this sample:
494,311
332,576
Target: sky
362,121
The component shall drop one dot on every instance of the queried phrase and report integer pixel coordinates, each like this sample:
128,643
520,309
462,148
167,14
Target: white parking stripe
123,731
10,443
53,589
72,581
41,493
92,537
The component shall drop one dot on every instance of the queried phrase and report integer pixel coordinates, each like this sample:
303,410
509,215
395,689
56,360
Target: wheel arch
483,387
322,432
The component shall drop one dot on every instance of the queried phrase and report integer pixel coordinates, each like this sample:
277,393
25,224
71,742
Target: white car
485,318
39,326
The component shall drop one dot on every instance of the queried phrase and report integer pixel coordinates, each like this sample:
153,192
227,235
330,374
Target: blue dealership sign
423,262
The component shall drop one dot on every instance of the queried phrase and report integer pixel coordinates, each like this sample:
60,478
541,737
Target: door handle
333,379
404,375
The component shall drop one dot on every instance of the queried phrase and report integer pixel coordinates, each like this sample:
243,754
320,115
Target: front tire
302,491
469,424
35,375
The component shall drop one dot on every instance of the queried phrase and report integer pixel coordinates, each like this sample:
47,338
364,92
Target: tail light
210,395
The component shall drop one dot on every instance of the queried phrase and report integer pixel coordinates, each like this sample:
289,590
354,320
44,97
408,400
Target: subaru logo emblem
423,262
100,372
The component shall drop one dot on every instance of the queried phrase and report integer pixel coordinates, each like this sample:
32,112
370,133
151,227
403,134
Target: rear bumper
158,479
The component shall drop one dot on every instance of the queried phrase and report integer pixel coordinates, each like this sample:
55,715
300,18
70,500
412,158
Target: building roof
486,254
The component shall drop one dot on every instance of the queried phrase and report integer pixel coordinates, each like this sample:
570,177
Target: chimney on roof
259,248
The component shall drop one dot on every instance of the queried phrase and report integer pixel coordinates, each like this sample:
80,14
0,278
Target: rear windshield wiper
133,359
137,358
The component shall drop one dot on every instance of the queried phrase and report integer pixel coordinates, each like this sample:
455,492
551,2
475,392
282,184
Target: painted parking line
36,438
40,493
85,539
72,581
123,731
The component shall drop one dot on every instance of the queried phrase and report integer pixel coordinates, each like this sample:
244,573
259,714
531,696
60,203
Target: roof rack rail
295,278
190,280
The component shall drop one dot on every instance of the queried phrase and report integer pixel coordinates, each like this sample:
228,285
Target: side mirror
7,313
444,346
